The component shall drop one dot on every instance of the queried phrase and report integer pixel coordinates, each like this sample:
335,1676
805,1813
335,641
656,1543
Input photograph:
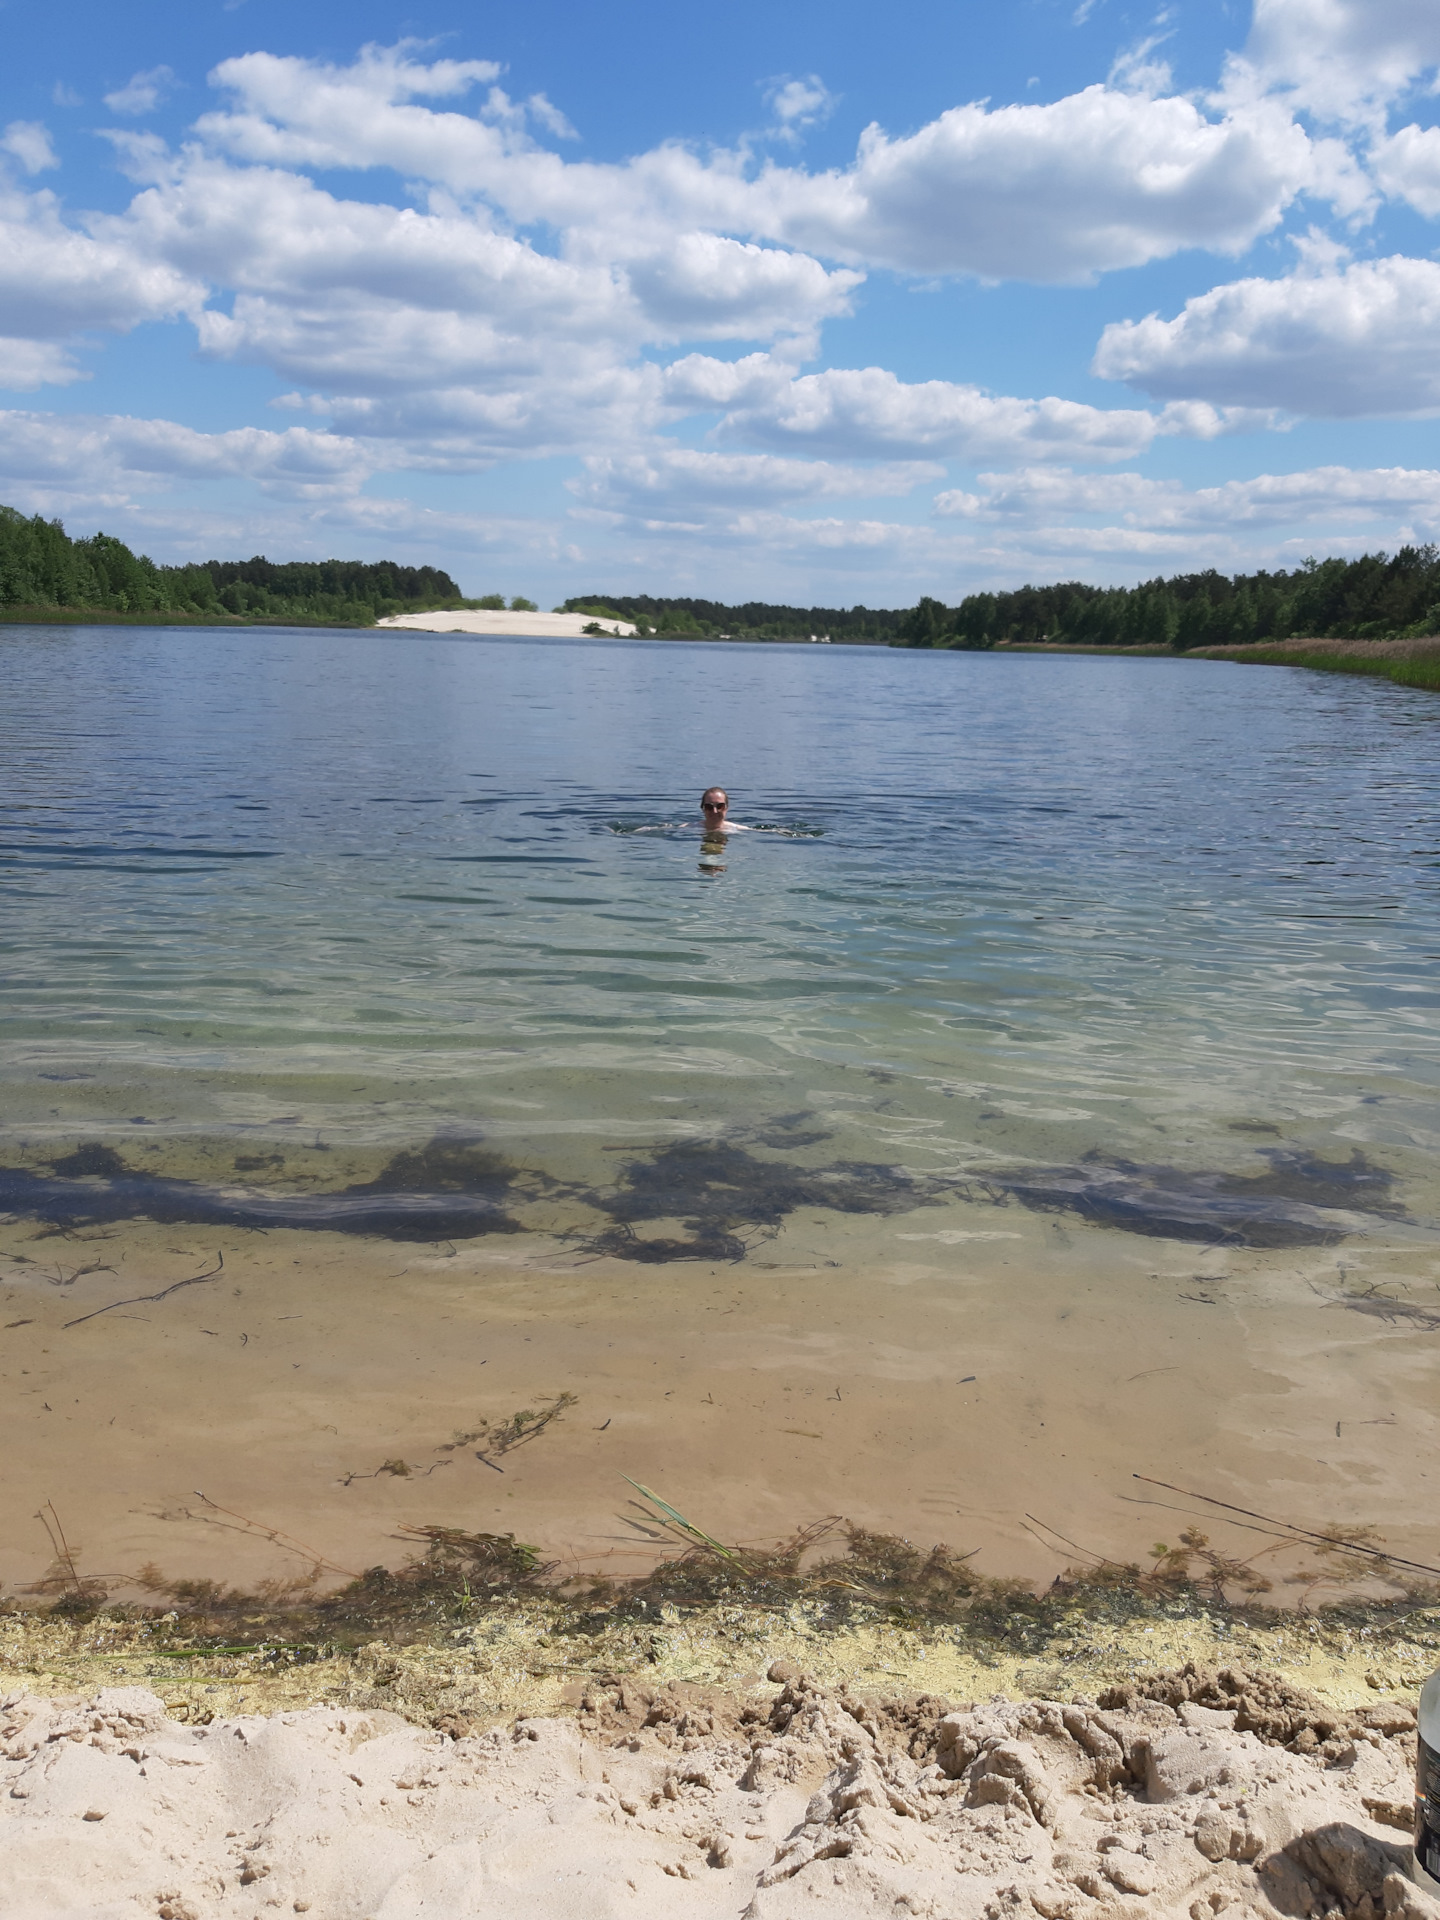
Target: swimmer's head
713,804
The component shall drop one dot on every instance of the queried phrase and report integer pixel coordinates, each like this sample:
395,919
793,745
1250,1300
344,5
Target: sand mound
1199,1794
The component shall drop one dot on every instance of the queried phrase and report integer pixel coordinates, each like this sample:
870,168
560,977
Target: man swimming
714,809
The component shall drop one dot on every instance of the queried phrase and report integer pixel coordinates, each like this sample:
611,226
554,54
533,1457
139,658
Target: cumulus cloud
684,480
1354,342
509,300
1102,179
1098,180
1043,496
116,452
142,92
55,281
867,412
27,364
28,141
1345,60
460,429
1407,166
363,297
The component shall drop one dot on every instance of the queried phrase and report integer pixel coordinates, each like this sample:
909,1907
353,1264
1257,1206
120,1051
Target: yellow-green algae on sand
476,1631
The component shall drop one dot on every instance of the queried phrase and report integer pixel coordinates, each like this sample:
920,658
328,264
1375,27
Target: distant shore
1409,663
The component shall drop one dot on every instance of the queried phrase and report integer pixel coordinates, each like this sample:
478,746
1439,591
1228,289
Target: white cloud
1359,341
1136,70
1099,180
523,303
797,104
866,412
1345,60
27,364
1407,166
54,281
142,92
681,480
28,141
1041,496
1096,181
116,453
703,285
460,429
549,116
361,297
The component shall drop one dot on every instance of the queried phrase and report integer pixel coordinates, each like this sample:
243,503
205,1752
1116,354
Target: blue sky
821,304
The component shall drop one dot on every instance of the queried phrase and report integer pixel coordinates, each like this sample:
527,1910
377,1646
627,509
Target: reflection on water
280,908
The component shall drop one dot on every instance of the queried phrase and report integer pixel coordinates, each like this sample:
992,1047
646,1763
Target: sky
824,304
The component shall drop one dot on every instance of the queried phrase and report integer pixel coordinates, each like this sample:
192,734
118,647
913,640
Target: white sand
681,1802
484,620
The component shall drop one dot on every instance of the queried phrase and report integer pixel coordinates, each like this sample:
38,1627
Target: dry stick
142,1299
278,1535
62,1550
1097,1557
1321,1539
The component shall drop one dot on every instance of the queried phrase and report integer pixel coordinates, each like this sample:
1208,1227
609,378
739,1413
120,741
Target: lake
1047,1094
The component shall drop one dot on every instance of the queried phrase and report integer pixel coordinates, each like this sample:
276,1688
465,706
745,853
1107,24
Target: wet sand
984,1376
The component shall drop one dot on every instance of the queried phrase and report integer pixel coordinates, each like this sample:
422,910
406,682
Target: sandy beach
1191,1793
482,620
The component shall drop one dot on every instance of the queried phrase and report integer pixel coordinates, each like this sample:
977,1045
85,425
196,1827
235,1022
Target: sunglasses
713,806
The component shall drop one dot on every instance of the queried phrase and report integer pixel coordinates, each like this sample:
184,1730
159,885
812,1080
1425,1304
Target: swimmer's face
714,803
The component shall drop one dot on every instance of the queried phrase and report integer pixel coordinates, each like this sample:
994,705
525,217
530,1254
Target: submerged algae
446,1189
1299,1201
721,1193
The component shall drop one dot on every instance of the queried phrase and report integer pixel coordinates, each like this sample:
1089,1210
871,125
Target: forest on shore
43,569
1376,597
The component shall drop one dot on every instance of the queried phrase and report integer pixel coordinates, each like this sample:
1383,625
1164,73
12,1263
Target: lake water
355,936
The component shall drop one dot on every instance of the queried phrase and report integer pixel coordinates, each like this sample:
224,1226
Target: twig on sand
278,1536
144,1298
1074,1545
61,1545
1291,1531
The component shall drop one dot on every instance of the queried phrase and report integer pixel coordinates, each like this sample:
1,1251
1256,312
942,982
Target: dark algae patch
1299,1200
711,1199
719,1191
446,1189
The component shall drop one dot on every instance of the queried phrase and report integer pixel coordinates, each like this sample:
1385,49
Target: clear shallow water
272,896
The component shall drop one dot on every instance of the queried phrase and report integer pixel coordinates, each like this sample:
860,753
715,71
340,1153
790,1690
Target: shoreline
309,1397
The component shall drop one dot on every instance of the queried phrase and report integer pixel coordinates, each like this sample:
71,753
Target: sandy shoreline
1192,1793
504,624
993,1390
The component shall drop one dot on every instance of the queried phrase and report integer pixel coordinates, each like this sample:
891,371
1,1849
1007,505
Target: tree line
1377,597
43,568
754,620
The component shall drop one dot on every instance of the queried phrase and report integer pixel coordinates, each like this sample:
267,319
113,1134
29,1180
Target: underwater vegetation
448,1189
719,1190
1299,1201
722,1195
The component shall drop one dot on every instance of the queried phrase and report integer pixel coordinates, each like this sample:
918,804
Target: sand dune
484,620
